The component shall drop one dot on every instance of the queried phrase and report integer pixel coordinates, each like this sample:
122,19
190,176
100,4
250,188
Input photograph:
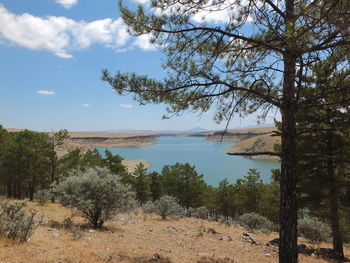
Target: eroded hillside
135,237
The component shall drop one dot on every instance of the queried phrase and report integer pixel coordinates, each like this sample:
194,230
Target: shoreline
113,142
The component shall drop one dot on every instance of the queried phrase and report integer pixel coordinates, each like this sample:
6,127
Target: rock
158,258
302,249
273,242
329,253
248,237
56,234
225,237
208,259
172,228
91,231
211,231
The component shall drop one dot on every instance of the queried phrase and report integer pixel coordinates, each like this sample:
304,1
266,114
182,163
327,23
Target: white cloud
126,106
60,35
144,43
142,1
212,11
112,33
46,92
86,105
67,3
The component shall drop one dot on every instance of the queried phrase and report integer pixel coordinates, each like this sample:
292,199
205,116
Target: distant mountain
196,129
129,130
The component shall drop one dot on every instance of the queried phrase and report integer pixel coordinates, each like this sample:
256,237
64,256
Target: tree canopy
255,59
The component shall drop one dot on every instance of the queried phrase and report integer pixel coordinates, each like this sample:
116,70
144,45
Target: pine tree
183,182
324,141
255,60
141,183
155,185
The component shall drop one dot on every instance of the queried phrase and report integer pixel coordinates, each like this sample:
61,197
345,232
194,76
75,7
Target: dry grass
260,143
254,130
135,238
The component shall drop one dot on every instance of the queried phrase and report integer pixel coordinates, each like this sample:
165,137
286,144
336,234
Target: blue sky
52,53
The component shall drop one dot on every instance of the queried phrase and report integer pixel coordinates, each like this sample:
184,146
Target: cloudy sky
52,54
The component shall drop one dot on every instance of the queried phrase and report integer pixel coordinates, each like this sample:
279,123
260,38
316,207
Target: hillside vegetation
140,238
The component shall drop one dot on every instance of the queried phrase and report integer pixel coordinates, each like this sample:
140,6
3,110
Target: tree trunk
333,201
288,204
53,172
9,190
19,190
337,238
288,252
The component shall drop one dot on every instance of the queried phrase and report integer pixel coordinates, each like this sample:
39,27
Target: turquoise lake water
209,157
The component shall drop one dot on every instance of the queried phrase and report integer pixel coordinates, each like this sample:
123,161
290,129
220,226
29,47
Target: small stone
248,237
211,231
156,256
225,237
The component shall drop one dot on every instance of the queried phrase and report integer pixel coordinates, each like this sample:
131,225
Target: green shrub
43,196
314,230
15,224
167,206
97,194
149,207
254,221
200,212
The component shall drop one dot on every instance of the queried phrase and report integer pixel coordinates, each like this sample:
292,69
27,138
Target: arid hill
259,143
137,238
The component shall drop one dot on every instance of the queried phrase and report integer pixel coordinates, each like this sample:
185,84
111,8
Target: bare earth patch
131,164
260,143
137,238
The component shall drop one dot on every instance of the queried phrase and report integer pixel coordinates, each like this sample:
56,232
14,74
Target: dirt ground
137,238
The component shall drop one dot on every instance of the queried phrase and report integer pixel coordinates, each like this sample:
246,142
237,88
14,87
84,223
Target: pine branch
253,153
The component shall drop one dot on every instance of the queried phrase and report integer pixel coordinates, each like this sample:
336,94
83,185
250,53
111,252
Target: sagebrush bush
167,206
97,194
149,207
314,230
15,224
200,212
43,196
254,221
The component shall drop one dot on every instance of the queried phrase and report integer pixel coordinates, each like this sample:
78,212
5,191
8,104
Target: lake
209,157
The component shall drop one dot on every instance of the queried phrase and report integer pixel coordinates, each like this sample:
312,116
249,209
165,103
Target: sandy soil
131,164
260,143
115,142
136,238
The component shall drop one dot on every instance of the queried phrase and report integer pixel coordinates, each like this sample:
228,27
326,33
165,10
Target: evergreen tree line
29,162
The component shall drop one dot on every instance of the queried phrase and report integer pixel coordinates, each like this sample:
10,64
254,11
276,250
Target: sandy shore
118,142
131,164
